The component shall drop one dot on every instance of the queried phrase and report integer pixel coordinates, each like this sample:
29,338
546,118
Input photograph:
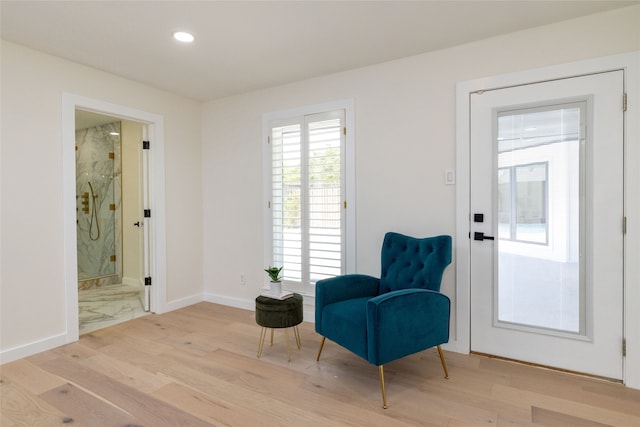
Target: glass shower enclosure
98,200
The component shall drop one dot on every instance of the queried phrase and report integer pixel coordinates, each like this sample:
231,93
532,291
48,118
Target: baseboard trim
32,348
231,302
182,303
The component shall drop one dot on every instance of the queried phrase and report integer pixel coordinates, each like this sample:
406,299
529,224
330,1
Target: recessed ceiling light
183,37
114,134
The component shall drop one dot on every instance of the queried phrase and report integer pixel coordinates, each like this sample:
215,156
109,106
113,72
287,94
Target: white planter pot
275,288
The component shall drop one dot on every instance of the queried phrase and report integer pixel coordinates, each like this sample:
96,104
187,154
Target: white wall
32,287
405,138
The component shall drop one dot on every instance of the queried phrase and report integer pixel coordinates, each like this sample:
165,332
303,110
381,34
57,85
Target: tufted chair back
408,262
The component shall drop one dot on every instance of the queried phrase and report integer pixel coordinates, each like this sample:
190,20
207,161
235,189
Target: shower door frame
154,197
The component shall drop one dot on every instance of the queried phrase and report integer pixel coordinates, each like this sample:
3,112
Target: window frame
513,204
349,184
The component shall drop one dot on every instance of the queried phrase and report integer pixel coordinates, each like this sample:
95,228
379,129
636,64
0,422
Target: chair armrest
404,322
341,288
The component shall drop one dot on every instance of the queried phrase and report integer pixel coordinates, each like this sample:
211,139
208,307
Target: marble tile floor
108,305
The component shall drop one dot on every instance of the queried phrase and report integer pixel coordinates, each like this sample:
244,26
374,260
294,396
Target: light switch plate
449,176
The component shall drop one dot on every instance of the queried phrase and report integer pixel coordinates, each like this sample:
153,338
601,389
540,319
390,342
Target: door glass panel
538,179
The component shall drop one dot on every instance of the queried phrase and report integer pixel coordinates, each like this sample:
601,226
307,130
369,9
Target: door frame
156,193
630,62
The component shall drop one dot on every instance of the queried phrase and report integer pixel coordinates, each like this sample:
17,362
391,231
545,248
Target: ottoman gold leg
286,333
297,334
263,332
271,337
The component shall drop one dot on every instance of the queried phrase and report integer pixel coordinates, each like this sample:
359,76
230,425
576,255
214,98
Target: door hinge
344,204
146,145
147,213
147,281
344,130
269,205
624,102
624,347
624,225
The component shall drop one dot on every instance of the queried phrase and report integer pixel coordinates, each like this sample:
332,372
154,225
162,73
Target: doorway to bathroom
151,197
110,189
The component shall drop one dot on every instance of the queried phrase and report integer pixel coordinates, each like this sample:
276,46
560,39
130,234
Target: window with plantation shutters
307,198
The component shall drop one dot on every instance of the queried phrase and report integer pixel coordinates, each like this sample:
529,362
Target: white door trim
630,62
157,253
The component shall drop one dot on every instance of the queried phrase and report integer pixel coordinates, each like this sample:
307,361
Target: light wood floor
197,367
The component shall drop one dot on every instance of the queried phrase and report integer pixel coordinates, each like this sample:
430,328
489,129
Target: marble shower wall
98,205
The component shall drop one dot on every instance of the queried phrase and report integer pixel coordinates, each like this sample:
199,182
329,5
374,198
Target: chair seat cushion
345,323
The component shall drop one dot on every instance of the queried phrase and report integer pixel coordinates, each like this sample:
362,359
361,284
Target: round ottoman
274,313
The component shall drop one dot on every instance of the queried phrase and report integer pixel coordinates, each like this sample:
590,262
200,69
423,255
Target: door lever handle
478,235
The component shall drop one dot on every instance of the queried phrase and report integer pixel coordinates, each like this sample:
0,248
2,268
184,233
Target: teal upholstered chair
401,313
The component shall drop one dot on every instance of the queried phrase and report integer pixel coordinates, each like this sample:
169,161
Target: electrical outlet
243,280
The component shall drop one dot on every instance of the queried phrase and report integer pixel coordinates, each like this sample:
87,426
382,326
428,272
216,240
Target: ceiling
243,46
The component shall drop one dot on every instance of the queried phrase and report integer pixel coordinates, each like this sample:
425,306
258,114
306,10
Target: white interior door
546,201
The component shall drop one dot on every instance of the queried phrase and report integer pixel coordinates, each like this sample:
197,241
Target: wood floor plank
5,421
126,373
208,408
136,350
549,418
312,395
612,396
142,406
592,391
198,366
76,350
86,408
30,376
564,406
23,408
98,339
223,393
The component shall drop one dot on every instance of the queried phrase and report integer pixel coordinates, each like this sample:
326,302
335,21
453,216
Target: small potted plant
276,285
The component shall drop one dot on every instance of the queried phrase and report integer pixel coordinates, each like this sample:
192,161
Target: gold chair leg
263,332
320,349
272,329
296,332
384,393
444,364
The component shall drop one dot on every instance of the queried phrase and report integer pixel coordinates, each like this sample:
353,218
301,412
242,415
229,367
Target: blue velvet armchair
401,313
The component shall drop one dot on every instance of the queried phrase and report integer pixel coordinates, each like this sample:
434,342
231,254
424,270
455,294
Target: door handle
478,235
137,224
